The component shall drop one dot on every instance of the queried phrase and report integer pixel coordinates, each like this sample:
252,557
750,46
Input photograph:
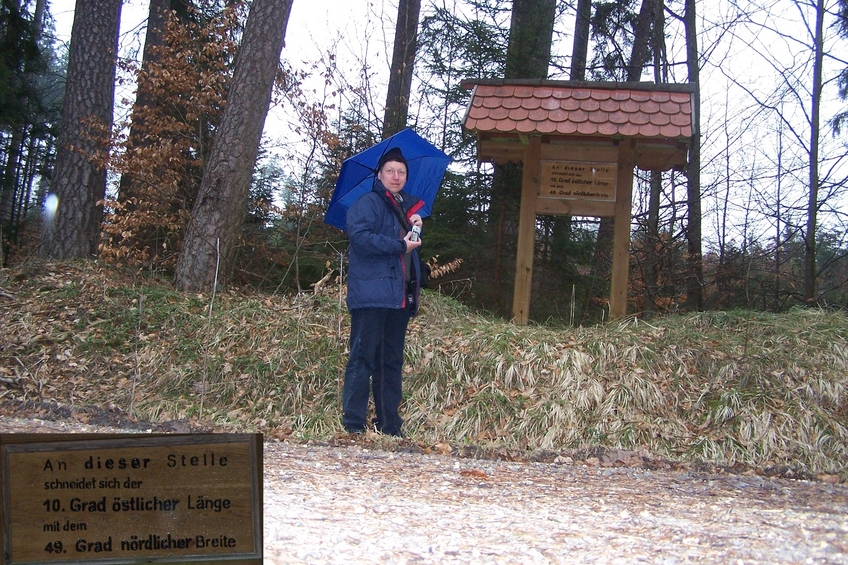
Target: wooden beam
526,232
660,156
500,151
621,233
593,151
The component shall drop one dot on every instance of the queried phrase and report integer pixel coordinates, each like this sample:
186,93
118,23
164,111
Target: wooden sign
162,498
578,180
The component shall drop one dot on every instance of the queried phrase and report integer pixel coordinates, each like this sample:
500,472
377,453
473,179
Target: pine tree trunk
8,190
580,47
212,235
530,36
403,63
654,246
638,58
79,178
528,56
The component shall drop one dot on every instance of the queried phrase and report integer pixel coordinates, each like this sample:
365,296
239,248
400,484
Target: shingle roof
657,118
581,110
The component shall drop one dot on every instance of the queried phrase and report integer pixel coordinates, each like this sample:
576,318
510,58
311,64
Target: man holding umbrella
383,288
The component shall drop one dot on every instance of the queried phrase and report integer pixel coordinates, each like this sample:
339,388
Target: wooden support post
621,234
526,232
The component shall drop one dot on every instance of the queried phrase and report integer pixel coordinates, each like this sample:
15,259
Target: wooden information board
161,498
578,180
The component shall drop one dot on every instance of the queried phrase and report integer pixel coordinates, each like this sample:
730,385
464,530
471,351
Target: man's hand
410,245
416,220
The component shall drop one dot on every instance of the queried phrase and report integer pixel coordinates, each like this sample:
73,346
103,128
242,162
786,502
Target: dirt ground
349,503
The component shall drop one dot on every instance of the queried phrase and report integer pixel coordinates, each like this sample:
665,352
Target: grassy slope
738,387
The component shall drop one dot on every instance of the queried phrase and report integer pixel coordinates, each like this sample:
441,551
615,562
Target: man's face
393,176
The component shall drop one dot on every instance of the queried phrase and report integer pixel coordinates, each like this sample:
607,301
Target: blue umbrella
426,165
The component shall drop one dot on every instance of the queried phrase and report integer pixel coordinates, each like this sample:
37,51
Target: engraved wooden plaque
132,499
578,180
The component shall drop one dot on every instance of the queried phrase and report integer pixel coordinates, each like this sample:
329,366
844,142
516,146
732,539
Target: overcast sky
312,26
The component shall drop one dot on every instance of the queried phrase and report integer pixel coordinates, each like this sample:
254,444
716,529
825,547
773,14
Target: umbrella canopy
426,166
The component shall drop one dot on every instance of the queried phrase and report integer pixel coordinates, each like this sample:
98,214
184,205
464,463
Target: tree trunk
79,178
221,206
528,56
778,226
641,39
655,244
531,32
9,189
403,63
813,200
38,18
561,226
580,46
638,59
695,265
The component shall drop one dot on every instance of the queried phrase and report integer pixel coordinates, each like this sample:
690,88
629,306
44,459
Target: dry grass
729,388
725,387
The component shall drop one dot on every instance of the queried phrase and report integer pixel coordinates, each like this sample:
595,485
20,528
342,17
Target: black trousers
375,365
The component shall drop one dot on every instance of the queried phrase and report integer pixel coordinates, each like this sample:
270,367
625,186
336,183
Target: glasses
391,171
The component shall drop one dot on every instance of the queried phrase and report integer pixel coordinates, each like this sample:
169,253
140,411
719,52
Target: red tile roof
581,109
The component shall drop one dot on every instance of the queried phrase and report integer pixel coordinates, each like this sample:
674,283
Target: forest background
761,225
226,304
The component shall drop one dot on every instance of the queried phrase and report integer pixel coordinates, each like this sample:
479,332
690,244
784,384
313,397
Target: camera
416,233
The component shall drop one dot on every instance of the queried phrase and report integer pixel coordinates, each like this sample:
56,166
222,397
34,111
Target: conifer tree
79,180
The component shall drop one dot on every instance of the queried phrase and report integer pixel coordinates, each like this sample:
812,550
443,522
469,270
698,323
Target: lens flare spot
51,204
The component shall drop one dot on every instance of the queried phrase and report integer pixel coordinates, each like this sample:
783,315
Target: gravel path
351,505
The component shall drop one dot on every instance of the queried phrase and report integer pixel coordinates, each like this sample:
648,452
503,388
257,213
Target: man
383,284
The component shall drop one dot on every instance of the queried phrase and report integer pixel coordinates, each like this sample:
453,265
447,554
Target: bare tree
813,196
694,279
221,206
842,27
79,179
811,183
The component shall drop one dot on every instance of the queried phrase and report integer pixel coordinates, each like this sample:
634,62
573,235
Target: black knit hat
393,154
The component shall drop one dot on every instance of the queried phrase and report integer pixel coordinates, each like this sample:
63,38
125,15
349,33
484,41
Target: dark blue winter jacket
376,226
